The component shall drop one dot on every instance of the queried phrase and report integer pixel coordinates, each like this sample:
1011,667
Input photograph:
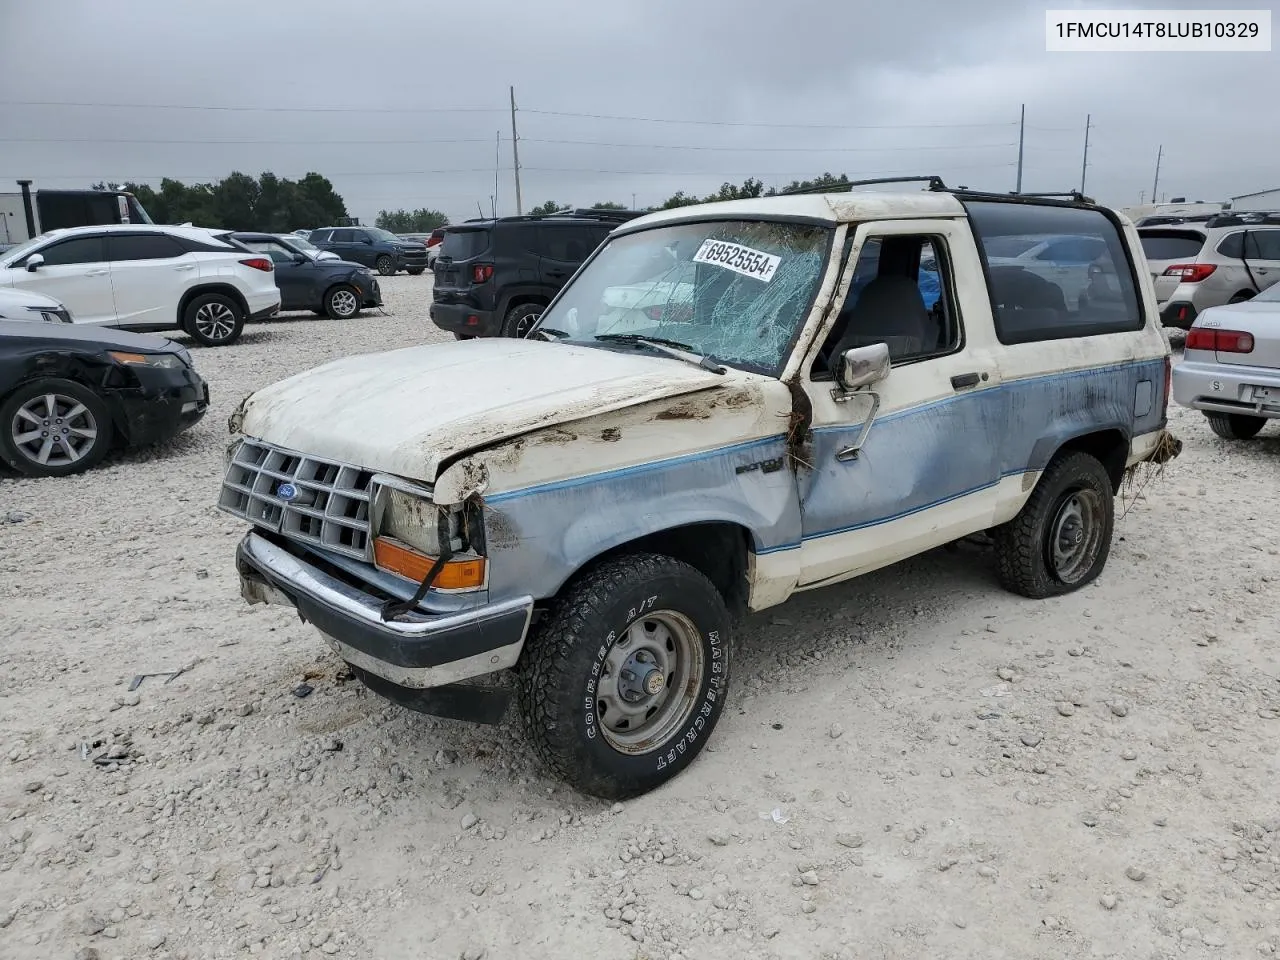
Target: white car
146,277
29,305
1063,261
1230,368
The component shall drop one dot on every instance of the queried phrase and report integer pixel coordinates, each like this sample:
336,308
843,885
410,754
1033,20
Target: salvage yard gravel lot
914,764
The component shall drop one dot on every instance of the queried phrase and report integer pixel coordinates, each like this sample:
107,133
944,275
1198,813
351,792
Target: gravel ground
915,764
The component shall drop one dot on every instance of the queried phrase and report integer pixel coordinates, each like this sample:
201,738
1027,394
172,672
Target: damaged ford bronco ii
728,404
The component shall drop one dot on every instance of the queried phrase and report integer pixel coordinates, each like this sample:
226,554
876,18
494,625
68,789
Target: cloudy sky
399,104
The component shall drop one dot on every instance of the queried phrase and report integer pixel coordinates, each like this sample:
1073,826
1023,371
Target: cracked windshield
737,291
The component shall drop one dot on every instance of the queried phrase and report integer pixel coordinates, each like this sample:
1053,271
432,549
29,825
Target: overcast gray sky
905,87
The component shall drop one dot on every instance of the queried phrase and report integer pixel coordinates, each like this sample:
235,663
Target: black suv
495,277
373,247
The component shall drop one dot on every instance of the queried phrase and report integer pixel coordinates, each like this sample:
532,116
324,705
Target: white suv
148,277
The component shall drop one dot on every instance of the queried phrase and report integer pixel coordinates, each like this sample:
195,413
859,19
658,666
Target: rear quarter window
1056,294
464,244
1171,244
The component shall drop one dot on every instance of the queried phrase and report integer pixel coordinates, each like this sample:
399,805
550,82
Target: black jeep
494,277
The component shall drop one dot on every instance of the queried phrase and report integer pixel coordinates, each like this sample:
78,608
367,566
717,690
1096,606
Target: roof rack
1245,218
581,213
844,186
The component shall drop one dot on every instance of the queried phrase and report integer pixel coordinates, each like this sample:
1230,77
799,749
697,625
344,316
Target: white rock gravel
221,816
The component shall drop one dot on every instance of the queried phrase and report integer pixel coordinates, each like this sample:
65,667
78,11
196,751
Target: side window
1232,246
320,236
142,246
899,296
359,236
1268,242
73,251
343,236
566,244
276,251
1081,284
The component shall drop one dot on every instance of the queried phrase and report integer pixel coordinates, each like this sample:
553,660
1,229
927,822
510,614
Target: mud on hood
406,411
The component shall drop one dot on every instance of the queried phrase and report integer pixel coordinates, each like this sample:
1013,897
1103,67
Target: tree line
750,187
239,201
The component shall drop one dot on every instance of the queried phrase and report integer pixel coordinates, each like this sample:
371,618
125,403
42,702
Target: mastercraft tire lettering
623,683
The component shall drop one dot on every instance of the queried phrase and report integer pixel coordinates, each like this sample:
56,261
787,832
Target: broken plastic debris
302,690
777,816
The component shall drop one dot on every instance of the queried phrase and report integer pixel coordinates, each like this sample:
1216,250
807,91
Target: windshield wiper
670,348
549,333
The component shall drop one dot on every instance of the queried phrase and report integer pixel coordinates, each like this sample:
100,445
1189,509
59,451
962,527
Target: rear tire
342,303
213,320
416,271
1242,296
520,319
1060,539
61,420
1235,426
386,265
622,684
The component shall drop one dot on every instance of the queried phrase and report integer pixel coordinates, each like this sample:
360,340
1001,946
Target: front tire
1060,539
624,681
520,320
386,265
54,427
1235,426
342,303
213,320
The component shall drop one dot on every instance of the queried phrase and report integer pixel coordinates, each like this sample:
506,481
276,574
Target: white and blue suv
703,422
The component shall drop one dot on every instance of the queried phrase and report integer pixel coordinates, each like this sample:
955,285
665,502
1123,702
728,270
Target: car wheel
214,320
342,303
1242,296
386,265
1060,539
520,319
463,336
622,684
416,271
1235,426
53,427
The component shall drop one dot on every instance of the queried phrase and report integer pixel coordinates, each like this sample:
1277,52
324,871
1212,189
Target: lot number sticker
743,260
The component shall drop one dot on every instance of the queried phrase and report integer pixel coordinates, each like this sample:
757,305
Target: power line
545,113
244,109
546,140
754,123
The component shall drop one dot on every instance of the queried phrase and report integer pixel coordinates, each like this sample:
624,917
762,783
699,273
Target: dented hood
407,411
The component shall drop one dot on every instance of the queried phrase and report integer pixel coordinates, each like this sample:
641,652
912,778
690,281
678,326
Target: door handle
97,273
963,380
185,266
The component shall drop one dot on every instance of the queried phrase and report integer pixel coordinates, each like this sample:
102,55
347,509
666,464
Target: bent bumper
167,403
418,651
1227,388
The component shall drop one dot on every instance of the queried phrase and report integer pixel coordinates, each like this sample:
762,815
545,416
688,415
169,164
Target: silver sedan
1230,368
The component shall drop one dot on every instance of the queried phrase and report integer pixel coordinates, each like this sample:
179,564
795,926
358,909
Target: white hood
405,411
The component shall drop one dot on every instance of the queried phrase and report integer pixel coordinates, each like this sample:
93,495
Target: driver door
911,462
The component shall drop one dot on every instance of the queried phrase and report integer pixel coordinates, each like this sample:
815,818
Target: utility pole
633,201
1154,185
497,163
515,153
1142,196
1085,162
1022,128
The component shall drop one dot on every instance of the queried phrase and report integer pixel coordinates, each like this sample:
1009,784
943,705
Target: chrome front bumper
418,650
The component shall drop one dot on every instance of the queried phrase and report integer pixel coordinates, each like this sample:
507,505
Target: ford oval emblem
287,492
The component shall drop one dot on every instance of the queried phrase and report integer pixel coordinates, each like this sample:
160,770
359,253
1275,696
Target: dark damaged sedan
68,394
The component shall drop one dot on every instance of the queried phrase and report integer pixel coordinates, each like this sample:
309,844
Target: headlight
409,532
165,361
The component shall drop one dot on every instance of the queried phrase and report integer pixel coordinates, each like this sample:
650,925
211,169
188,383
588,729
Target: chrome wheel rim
525,324
54,430
344,303
1076,535
215,321
649,682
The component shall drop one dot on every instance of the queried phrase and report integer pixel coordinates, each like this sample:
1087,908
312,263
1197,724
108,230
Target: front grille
330,507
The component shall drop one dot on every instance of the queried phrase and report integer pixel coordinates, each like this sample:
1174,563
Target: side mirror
299,258
863,366
367,240
34,262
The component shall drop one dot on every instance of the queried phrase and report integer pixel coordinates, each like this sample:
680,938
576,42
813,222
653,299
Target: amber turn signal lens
127,357
394,557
